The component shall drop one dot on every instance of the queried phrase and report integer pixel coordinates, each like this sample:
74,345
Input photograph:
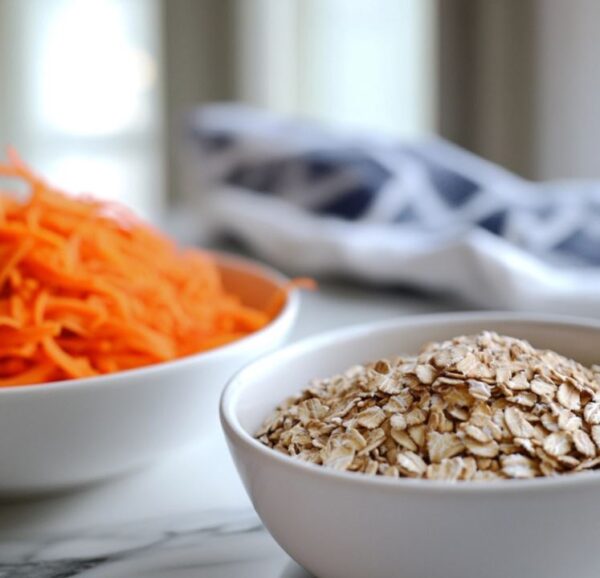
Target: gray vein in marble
206,545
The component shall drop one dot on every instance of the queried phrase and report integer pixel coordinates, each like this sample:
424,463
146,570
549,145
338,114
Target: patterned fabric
405,199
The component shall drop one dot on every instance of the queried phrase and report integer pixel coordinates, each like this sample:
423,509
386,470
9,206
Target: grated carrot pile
86,289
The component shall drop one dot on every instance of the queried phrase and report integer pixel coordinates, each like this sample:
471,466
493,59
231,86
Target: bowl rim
245,376
287,313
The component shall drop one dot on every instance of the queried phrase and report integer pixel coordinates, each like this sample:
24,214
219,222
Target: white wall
567,114
361,63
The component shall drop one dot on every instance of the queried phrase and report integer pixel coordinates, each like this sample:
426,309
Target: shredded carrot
86,289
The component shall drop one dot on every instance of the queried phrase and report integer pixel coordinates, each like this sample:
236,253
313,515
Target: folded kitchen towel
429,214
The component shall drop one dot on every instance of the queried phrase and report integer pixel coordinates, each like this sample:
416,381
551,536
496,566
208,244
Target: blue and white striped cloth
427,214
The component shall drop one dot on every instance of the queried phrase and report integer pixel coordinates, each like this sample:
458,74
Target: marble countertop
186,517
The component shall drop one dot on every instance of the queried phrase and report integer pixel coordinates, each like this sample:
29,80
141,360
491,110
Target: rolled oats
584,444
518,466
479,389
517,423
398,421
557,444
482,408
411,464
596,435
371,417
544,389
568,396
449,470
441,446
591,413
426,373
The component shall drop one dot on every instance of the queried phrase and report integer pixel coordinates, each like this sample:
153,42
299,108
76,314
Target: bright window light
93,79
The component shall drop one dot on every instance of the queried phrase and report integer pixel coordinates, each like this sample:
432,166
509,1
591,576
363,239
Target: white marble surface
185,517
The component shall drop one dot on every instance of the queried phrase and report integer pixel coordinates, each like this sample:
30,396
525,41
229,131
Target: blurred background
92,91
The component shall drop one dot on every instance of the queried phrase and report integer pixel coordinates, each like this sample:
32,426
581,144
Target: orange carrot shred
87,289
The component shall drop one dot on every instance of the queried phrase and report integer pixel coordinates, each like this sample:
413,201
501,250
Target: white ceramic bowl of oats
340,524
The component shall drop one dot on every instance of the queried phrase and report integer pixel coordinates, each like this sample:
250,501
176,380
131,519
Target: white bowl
67,433
348,525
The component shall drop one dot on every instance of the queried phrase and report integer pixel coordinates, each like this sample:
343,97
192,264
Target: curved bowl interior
350,525
257,390
72,432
